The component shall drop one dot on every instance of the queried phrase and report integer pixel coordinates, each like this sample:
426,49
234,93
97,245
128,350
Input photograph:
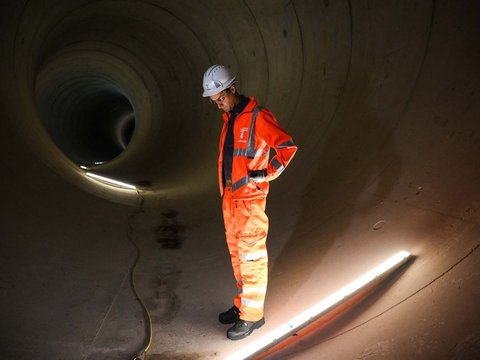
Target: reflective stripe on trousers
246,228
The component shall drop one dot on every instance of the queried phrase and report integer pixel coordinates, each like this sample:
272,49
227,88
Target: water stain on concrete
163,304
143,183
168,233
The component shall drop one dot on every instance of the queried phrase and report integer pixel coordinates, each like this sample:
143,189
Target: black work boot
243,328
230,316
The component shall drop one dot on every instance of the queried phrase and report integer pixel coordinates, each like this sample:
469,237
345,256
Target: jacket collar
248,108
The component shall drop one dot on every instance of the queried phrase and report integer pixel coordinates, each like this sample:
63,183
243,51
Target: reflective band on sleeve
238,184
255,256
251,134
286,144
259,152
255,290
252,303
277,165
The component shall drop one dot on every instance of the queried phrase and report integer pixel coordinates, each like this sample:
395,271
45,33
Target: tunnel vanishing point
383,100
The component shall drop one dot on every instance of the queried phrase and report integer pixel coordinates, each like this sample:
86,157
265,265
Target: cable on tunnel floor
141,354
475,248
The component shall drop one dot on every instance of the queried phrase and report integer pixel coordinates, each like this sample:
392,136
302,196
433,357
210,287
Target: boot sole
257,325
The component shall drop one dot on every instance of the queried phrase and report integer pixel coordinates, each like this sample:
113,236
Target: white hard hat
216,79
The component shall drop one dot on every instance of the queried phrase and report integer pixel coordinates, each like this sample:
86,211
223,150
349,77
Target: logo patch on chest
242,135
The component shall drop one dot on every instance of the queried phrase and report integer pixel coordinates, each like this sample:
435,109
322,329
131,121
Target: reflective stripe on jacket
255,131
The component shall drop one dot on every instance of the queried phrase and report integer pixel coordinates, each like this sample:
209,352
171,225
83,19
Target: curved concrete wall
382,99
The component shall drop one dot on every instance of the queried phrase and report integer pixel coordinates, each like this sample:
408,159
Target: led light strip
111,181
323,306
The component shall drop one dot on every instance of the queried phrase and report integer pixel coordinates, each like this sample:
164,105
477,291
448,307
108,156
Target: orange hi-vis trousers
246,228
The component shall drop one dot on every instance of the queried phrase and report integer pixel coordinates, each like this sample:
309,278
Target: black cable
141,354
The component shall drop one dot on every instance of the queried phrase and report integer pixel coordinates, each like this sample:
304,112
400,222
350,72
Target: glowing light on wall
111,181
322,307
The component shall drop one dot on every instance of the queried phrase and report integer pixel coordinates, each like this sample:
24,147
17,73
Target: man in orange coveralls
244,172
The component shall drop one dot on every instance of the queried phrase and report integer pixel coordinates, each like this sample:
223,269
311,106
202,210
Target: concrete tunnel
383,100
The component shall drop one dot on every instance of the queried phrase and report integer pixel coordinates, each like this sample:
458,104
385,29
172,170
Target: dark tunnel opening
88,117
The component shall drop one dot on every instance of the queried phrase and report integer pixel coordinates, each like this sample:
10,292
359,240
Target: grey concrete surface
383,100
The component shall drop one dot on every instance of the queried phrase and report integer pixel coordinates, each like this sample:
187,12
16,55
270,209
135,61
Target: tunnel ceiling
91,64
84,58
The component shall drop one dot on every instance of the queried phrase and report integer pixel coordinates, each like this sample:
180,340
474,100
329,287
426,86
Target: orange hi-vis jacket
255,131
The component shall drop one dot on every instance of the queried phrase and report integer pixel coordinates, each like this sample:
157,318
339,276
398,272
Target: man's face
225,100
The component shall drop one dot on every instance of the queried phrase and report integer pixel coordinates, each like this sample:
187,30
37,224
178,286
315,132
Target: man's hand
258,175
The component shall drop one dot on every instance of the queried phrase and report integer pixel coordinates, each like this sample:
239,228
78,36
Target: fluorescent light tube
323,306
111,181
